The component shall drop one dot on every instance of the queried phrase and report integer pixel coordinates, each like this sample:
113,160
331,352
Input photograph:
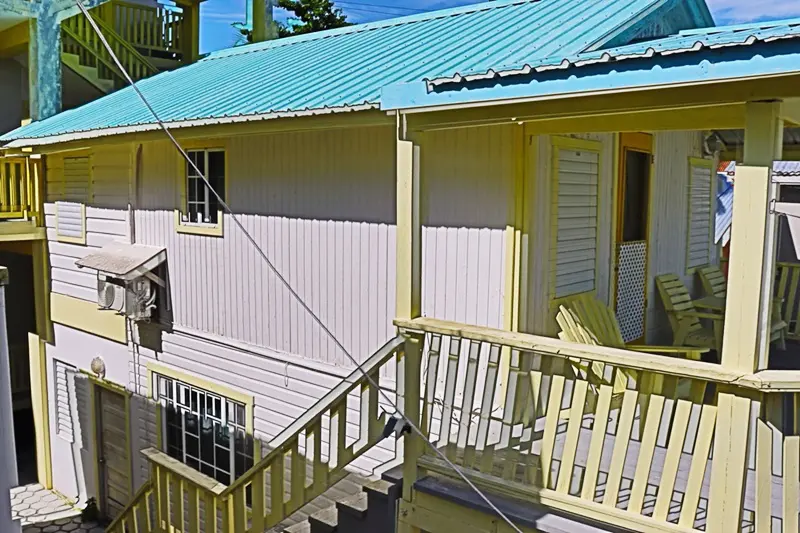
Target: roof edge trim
182,124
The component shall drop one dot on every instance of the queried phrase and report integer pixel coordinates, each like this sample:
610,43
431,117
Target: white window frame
225,411
183,223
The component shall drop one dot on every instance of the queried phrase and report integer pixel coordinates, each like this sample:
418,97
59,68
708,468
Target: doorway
633,210
21,320
112,450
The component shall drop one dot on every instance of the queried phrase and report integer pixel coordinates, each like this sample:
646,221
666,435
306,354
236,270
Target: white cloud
731,11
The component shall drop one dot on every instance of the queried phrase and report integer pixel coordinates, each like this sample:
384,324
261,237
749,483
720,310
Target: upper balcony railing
19,192
154,30
676,445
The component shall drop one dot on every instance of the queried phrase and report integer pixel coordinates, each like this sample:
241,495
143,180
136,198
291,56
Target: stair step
355,505
324,521
300,527
90,74
382,499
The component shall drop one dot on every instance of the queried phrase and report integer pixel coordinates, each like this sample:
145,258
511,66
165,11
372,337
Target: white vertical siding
321,206
668,222
468,178
106,213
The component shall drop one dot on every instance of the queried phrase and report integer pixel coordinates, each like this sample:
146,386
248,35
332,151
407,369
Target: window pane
223,458
207,442
216,172
192,446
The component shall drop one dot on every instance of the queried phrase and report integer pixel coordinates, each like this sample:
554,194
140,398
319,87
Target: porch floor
499,464
44,511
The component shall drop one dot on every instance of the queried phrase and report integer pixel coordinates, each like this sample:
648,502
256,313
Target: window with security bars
204,430
202,205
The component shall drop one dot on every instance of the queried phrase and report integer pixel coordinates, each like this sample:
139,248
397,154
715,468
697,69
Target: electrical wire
283,280
369,4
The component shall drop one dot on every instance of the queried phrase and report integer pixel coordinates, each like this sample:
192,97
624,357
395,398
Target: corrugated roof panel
347,67
689,41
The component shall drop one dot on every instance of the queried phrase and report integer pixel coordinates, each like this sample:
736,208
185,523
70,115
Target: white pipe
8,475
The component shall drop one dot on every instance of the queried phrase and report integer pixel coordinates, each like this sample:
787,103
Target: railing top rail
186,473
146,486
333,397
142,7
766,381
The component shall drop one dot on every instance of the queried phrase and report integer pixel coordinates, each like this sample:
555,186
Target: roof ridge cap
367,26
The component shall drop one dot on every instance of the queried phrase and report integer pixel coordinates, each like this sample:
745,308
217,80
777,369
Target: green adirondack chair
685,319
715,284
586,320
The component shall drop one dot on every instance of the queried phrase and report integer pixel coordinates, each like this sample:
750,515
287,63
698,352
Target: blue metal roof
345,69
689,56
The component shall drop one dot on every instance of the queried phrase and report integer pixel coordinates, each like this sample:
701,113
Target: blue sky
218,15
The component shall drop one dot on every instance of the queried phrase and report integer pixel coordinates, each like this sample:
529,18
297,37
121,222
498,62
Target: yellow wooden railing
19,194
304,460
80,39
520,423
153,30
787,284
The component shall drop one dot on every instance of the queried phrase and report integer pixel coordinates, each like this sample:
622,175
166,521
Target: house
434,194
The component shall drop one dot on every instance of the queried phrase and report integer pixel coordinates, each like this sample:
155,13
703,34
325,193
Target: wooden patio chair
684,318
715,284
586,320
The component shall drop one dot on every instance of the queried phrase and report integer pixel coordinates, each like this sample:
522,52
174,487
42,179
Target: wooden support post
750,270
413,446
190,40
409,231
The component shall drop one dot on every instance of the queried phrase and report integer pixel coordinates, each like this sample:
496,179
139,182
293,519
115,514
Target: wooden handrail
306,432
79,30
157,28
766,381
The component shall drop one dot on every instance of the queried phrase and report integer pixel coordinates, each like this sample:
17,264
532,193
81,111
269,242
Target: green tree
311,16
307,16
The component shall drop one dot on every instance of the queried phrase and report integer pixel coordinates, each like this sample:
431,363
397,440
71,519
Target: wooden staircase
139,35
305,460
371,511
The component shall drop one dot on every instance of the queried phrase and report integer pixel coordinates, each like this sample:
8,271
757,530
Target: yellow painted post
39,405
190,38
752,253
409,231
413,446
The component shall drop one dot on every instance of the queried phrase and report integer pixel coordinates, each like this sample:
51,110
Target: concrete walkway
43,511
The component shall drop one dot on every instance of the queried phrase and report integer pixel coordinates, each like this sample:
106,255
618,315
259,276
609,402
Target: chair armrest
665,349
699,314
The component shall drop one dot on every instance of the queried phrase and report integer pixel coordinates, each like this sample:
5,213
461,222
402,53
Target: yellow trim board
41,413
209,230
85,316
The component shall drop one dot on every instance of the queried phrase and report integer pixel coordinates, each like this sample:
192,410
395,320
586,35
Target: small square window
202,205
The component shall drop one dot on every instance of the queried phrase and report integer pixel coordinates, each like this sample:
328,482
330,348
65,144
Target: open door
633,208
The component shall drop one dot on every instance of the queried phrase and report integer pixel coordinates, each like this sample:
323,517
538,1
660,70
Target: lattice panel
631,268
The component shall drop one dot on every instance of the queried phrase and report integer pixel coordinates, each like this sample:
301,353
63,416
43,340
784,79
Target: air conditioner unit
110,295
140,299
135,299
